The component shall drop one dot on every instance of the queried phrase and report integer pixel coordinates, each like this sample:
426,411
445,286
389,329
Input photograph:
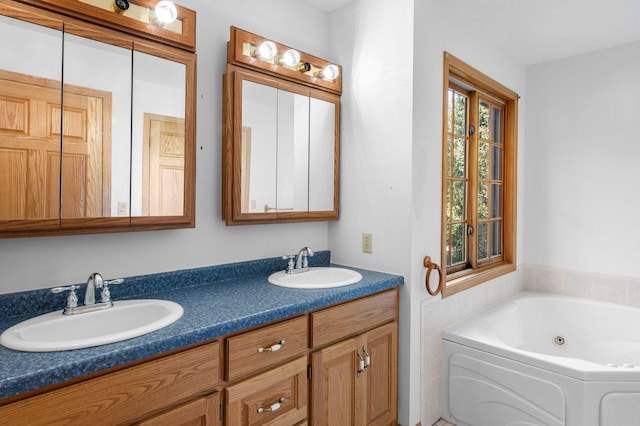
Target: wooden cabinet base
333,366
123,396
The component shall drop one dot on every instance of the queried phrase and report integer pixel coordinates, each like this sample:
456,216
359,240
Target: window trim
463,280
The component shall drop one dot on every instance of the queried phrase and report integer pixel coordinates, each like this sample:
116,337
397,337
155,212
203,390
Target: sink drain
559,340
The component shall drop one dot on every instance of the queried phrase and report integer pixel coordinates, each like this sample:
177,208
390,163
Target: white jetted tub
543,359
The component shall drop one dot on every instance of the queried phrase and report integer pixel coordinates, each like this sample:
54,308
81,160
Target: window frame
464,279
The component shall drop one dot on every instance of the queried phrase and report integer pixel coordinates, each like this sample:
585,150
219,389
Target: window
479,177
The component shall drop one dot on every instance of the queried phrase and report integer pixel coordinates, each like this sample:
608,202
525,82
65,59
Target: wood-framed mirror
97,127
281,141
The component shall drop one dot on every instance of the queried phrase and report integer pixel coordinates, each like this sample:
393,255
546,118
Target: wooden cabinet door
345,393
335,389
199,412
381,375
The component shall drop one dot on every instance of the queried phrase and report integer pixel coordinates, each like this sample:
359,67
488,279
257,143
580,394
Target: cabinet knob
272,348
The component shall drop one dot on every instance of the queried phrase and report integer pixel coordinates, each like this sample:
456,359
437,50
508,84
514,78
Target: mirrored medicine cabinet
281,133
97,125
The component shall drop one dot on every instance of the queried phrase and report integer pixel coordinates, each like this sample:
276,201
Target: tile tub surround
623,290
217,300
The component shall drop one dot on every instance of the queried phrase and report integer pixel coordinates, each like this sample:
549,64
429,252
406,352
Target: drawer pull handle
272,407
272,348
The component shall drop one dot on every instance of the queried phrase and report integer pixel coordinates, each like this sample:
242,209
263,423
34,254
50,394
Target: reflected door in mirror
95,153
163,166
29,147
159,137
30,87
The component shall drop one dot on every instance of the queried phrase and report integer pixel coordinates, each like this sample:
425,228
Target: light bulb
267,51
166,12
330,72
290,58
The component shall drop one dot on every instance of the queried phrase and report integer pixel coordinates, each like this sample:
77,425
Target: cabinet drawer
124,395
276,397
201,411
255,350
332,324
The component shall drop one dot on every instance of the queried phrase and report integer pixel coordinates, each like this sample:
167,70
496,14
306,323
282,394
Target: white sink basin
319,277
57,332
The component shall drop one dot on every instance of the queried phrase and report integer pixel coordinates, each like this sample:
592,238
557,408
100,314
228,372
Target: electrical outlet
367,243
123,208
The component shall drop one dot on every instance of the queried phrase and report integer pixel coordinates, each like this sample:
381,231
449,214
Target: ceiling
535,31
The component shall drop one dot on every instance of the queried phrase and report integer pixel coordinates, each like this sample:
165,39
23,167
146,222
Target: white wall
30,263
435,33
582,156
373,41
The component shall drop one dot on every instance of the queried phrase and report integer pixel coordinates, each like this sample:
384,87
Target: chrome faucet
302,261
94,281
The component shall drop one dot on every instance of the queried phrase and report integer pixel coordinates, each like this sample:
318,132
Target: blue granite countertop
217,300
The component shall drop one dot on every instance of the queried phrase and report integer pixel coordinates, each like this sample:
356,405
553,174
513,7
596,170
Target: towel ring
430,267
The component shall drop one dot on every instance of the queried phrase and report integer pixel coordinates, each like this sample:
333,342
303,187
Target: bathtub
542,359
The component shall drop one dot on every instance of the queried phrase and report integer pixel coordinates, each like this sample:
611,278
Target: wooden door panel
336,391
25,105
49,162
30,123
381,375
163,166
86,163
14,118
73,185
13,183
172,192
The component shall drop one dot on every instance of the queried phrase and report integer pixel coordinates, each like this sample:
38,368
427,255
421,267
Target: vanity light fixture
259,53
291,58
330,72
266,51
166,12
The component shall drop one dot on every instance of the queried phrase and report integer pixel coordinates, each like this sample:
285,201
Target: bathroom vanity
282,356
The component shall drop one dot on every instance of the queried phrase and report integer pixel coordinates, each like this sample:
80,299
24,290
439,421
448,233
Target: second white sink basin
319,277
125,320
